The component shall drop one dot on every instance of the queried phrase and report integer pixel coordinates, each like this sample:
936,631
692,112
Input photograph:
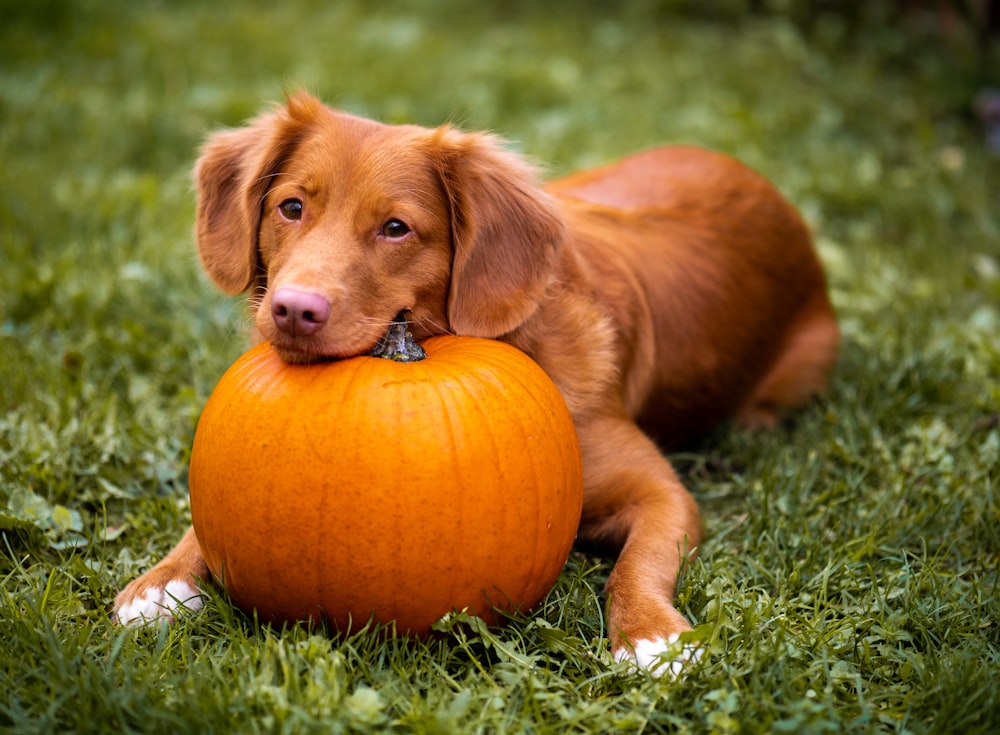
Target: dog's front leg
634,502
171,584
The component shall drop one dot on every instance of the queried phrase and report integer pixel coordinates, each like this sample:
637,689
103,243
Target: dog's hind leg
800,370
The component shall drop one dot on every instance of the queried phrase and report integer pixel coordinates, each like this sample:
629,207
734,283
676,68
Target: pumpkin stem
398,343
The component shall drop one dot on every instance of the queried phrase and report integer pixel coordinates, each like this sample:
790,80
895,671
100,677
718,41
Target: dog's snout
299,313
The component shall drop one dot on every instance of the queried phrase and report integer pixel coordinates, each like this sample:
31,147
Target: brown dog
668,291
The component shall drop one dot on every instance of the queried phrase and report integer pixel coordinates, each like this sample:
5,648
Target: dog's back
730,281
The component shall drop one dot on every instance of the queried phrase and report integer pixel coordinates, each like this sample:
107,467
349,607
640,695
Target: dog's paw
660,656
157,604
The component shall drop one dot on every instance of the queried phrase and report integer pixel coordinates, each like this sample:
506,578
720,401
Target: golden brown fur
669,291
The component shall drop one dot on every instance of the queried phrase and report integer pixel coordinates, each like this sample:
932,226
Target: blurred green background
849,578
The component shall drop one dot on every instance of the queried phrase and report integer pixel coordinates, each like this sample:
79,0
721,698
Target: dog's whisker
256,297
376,321
247,308
433,326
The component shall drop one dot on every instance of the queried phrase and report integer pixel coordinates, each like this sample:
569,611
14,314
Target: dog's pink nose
299,313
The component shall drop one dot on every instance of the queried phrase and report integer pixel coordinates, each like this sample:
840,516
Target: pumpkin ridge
477,376
323,579
506,368
532,384
226,407
271,528
351,399
442,391
413,390
520,378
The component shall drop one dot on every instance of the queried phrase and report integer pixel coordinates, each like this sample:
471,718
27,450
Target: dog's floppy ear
232,177
506,233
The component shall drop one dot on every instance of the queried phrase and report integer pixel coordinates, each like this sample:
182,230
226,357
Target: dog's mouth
302,351
298,355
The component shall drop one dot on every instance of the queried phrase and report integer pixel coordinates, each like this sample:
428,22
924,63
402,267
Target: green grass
849,579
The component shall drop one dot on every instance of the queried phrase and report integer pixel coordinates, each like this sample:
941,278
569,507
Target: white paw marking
660,656
158,604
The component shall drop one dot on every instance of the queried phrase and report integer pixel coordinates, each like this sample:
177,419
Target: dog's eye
394,229
291,209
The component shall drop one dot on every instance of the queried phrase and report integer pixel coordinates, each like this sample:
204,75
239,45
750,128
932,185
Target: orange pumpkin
368,488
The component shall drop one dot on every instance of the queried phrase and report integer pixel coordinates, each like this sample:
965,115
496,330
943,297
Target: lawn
849,579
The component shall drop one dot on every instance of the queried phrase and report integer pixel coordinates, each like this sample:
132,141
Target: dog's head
336,223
